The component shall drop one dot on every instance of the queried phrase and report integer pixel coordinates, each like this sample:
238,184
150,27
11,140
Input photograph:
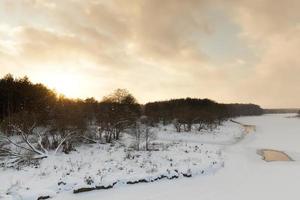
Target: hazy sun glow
69,78
66,84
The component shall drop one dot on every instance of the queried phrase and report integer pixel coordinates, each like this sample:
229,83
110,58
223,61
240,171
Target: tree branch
40,143
63,140
89,139
25,138
15,144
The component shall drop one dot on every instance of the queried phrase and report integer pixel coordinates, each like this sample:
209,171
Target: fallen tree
24,141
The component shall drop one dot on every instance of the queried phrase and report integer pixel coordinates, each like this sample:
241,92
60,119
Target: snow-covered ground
228,133
177,155
244,175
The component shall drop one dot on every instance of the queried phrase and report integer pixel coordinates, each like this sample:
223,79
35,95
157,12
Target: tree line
183,113
47,121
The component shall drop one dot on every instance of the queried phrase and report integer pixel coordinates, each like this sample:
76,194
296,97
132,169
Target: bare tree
177,125
143,134
117,112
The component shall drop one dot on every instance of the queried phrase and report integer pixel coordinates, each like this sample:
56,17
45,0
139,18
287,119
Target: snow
228,133
105,164
244,174
279,131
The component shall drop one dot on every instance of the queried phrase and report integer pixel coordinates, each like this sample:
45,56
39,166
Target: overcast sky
229,51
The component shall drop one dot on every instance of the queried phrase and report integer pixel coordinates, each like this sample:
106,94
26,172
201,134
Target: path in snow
245,175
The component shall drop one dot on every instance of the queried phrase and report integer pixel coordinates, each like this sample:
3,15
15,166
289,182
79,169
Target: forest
46,121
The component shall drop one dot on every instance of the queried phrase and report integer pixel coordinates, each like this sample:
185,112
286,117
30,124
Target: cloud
262,19
154,48
273,28
153,30
276,79
122,39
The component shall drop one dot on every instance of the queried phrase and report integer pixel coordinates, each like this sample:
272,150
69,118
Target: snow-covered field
233,169
177,155
104,165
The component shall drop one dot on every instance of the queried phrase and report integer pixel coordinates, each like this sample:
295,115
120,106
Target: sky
226,50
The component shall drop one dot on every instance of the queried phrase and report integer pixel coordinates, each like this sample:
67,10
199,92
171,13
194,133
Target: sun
67,84
73,82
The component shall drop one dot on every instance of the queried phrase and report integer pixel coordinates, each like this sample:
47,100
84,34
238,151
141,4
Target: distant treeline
235,110
21,94
196,111
25,106
191,109
281,110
